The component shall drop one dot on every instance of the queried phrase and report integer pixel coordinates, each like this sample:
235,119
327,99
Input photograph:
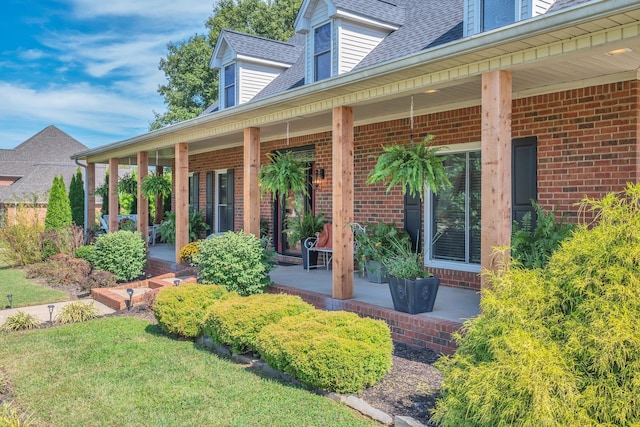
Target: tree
58,209
76,199
191,84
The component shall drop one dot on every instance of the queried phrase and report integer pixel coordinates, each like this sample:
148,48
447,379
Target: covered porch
434,329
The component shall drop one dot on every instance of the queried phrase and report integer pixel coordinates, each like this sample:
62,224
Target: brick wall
586,147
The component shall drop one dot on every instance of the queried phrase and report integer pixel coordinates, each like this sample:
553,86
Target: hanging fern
411,166
284,173
154,184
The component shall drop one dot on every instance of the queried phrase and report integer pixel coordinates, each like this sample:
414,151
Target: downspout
86,198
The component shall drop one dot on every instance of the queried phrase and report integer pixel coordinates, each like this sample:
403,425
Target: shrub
558,345
188,251
181,309
23,243
11,417
330,350
76,199
197,226
61,270
233,260
20,321
236,322
86,253
58,208
77,311
533,247
122,253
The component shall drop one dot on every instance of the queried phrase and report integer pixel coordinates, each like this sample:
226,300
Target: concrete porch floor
453,304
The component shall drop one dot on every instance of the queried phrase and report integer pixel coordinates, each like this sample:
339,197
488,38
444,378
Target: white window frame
436,263
314,71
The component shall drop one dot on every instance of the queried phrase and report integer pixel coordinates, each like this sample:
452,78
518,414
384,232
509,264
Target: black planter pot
309,258
413,296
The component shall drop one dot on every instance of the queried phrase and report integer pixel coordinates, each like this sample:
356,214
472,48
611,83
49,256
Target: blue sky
89,67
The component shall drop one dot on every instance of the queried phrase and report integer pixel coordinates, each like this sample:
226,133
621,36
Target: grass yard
123,371
25,293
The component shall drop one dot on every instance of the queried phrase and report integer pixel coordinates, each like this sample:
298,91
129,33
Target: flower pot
413,296
309,258
376,272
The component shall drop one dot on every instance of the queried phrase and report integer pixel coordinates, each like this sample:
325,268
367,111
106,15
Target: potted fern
299,228
285,173
414,166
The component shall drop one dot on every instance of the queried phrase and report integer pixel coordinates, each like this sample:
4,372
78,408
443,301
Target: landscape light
10,298
129,303
51,306
176,282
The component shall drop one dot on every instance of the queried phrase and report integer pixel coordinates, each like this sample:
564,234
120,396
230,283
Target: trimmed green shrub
330,350
58,209
86,253
76,199
558,345
181,309
236,261
20,321
236,322
122,253
77,311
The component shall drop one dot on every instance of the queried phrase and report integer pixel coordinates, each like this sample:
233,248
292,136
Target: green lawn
24,292
125,372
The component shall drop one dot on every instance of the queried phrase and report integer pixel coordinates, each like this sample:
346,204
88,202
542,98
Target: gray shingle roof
389,11
37,160
260,47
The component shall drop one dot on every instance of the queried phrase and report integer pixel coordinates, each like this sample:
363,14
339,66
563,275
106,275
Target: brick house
535,99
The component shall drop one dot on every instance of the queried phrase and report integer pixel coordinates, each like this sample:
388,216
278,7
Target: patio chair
321,244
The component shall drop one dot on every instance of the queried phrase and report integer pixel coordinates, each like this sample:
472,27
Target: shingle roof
562,4
36,161
260,47
389,11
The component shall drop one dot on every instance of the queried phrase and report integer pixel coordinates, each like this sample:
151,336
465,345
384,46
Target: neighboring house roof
36,162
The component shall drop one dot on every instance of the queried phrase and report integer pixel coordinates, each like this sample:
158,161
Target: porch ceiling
562,51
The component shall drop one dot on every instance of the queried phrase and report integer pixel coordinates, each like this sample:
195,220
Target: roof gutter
564,18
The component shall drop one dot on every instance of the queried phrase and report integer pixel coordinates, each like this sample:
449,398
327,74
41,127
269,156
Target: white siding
354,43
540,7
252,78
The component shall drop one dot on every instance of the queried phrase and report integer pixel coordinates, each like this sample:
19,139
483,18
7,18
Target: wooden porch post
342,214
143,202
251,215
496,165
91,198
181,179
114,208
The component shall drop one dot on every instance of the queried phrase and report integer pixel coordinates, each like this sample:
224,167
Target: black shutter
196,191
524,175
412,220
209,194
230,200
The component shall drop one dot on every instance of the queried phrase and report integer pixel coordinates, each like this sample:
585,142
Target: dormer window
497,13
230,85
322,52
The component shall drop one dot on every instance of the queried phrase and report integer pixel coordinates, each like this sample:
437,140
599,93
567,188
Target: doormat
286,264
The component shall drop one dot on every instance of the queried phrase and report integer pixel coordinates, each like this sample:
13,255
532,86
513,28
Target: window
322,52
497,13
453,216
230,85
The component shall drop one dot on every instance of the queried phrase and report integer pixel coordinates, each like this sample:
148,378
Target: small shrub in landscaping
181,309
233,260
77,311
558,345
20,321
122,253
329,350
62,270
87,253
11,417
236,322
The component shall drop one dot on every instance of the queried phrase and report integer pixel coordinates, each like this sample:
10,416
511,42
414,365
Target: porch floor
452,304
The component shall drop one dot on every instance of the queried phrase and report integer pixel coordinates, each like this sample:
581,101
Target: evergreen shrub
236,322
58,208
122,253
236,261
76,199
558,345
87,253
330,350
181,309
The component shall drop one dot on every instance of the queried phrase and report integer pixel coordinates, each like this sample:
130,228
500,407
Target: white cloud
172,11
31,55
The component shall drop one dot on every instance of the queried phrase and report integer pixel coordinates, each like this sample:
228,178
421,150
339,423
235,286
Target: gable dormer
340,33
247,64
487,15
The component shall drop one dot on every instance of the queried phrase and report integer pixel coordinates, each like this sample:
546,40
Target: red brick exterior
587,146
